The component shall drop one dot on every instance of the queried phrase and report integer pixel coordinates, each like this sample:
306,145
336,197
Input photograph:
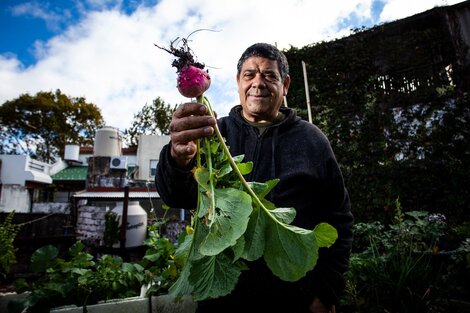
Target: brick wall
90,225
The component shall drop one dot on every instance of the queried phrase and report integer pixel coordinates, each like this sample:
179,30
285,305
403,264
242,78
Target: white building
21,181
24,181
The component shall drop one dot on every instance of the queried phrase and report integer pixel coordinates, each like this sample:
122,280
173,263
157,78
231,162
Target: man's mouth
258,95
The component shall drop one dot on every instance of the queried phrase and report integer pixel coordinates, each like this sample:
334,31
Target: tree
153,119
42,125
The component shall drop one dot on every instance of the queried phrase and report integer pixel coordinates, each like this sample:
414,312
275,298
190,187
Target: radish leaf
233,209
290,251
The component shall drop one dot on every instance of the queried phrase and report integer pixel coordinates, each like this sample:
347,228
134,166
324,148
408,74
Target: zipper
256,152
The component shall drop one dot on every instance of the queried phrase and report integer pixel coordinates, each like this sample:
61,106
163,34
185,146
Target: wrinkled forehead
257,63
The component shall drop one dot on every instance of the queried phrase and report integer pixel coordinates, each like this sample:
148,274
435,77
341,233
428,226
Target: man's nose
258,81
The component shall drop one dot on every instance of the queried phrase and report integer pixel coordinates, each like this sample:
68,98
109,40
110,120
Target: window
153,167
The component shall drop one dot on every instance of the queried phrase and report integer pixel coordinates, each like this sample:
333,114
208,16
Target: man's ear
286,84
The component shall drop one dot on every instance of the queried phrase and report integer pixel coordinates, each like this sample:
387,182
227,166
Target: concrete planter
134,304
154,304
6,298
168,304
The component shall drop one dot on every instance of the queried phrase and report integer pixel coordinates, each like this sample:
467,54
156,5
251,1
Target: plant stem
234,166
210,193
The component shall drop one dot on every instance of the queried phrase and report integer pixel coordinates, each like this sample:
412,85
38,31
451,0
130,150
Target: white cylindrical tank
107,142
71,152
136,231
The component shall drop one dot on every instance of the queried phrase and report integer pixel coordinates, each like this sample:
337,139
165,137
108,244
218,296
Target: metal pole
123,229
309,110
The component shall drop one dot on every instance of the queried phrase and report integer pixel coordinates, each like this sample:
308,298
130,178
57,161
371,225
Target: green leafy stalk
206,102
210,192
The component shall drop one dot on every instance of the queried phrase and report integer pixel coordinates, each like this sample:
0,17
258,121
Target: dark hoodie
300,155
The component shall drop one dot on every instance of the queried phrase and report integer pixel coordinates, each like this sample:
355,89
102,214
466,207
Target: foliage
80,280
151,120
234,223
84,280
8,232
402,268
394,102
42,125
112,229
161,269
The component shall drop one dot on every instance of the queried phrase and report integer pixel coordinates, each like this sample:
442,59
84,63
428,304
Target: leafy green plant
402,268
111,231
80,280
8,233
161,270
234,223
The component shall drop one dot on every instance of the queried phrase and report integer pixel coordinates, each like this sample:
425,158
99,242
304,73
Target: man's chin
258,117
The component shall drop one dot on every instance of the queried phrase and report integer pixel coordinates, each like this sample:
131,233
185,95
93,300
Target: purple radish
192,79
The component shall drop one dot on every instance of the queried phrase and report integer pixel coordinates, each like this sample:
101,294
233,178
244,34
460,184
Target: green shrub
80,280
8,232
112,229
401,268
161,268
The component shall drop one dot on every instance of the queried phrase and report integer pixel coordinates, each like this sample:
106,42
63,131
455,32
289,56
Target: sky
104,50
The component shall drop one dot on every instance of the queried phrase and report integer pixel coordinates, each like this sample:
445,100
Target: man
280,145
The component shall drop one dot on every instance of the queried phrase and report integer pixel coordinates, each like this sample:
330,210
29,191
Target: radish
192,79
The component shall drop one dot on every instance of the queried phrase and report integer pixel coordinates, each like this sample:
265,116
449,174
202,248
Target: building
23,182
60,203
30,186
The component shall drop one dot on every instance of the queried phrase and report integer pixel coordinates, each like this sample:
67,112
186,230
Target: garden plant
408,266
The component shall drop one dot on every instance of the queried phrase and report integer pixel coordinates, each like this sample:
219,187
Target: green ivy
394,102
8,232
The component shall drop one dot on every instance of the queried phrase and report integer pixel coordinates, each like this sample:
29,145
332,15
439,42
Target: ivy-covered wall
394,101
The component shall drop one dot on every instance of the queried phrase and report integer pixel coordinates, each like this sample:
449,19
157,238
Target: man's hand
189,123
318,307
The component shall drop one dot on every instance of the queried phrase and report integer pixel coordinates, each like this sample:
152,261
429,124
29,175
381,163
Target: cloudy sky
104,50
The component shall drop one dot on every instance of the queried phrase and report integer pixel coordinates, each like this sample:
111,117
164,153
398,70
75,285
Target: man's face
261,89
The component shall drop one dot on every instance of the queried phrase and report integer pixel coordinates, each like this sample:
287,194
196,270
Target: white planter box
134,304
155,304
167,304
5,298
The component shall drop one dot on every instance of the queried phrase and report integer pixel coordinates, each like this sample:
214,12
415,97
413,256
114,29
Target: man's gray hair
268,51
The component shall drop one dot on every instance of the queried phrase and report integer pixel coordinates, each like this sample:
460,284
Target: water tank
136,231
71,152
107,142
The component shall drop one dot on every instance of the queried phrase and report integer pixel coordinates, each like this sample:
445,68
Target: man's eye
248,75
270,77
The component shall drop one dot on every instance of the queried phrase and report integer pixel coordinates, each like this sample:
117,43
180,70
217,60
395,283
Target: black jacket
300,155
